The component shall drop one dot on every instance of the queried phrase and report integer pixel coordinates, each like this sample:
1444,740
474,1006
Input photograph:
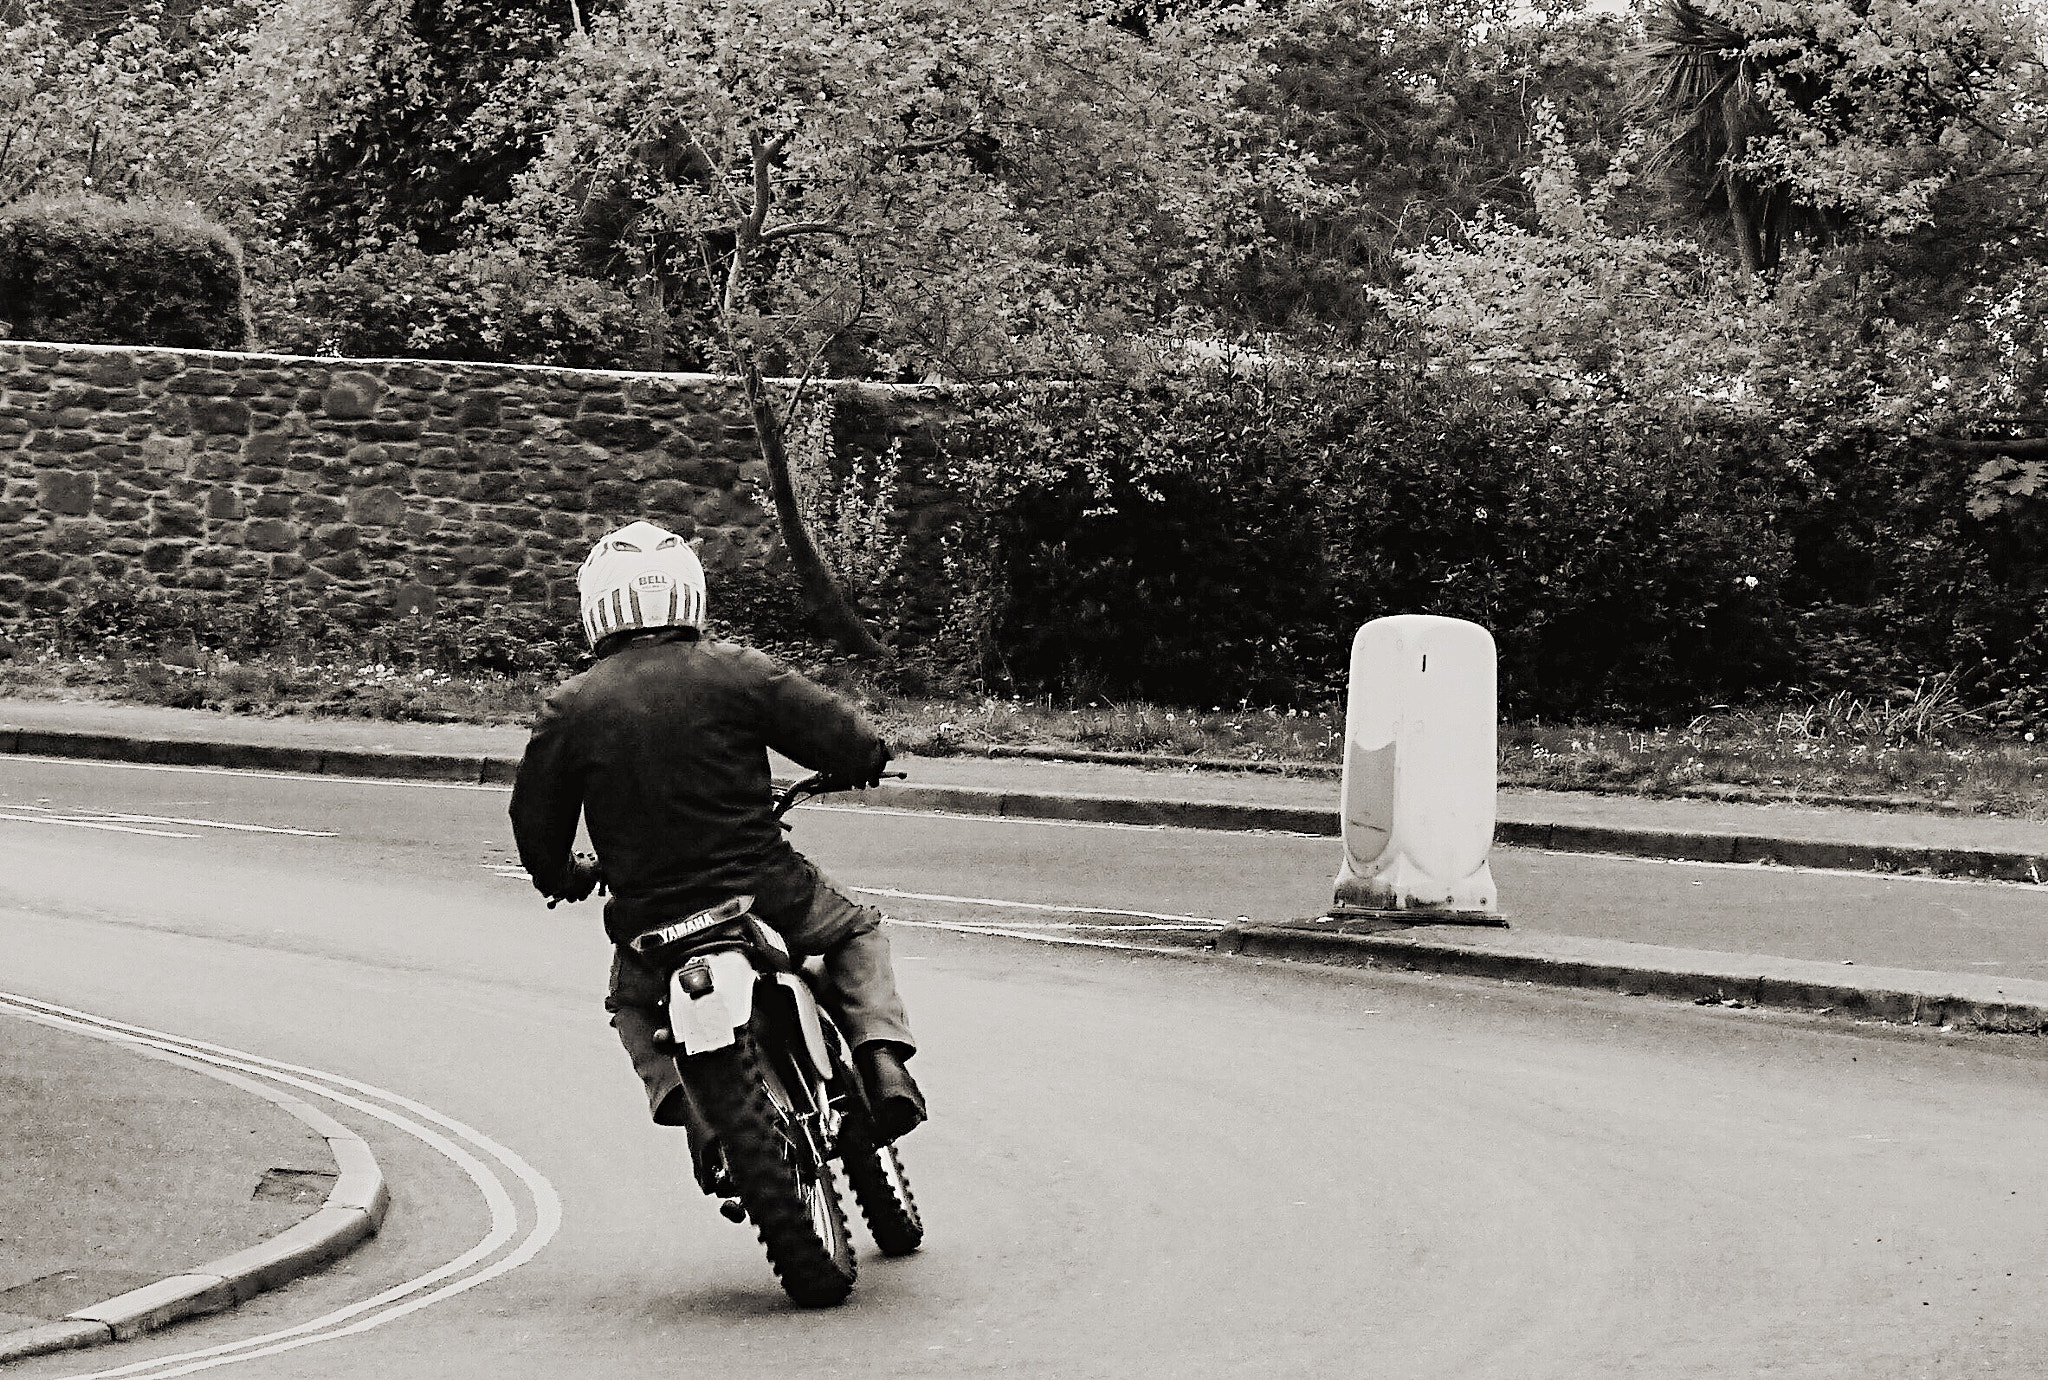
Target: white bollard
1420,770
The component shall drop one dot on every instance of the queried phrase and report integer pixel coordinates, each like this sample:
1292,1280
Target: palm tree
1698,79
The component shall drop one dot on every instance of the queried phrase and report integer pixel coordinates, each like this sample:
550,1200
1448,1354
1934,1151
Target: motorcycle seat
731,923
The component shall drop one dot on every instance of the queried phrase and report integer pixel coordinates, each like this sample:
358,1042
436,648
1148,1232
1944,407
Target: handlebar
587,874
820,783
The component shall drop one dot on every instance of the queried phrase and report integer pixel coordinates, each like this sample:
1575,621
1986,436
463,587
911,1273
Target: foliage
469,303
913,187
1217,530
1859,119
850,502
1414,118
189,110
438,110
85,268
1572,309
138,620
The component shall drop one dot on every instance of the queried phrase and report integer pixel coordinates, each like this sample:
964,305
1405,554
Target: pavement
138,1187
110,1224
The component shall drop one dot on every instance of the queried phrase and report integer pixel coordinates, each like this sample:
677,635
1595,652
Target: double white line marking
541,1208
130,824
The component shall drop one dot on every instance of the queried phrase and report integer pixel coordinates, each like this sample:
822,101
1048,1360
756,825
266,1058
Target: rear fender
709,1019
816,1052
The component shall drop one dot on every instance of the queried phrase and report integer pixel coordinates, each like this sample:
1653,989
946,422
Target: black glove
585,876
873,776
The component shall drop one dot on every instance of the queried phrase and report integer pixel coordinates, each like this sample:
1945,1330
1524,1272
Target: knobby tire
730,1085
885,1199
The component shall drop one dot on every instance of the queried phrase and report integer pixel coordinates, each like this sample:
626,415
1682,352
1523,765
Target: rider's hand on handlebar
873,776
585,876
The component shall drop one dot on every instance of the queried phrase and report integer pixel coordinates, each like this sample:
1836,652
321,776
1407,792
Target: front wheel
773,1152
883,1191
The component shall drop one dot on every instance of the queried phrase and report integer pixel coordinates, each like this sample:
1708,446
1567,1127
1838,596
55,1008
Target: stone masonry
388,485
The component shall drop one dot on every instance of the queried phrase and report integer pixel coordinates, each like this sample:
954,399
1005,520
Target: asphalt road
1140,1165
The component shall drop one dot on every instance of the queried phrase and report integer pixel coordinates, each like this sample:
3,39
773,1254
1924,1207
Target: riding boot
707,1158
892,1093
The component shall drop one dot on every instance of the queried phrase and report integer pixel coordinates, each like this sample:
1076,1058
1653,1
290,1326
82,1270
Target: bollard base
1369,917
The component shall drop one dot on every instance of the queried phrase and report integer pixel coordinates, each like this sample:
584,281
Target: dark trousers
860,987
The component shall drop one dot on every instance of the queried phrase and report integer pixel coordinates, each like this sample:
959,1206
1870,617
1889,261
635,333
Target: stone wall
387,485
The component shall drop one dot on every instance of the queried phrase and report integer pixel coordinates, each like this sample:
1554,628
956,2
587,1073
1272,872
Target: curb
1690,846
352,1213
1788,994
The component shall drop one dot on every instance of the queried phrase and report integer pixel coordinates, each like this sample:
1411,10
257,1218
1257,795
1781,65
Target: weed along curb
351,1214
1702,846
1736,984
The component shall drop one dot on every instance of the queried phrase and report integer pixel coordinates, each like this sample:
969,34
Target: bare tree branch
764,191
803,227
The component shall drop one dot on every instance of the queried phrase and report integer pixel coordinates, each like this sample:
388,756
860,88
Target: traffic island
127,1162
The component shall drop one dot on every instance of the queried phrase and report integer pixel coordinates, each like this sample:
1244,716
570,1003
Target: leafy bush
1211,532
83,268
480,304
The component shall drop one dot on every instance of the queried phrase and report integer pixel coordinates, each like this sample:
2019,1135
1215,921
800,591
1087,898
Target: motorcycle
773,1082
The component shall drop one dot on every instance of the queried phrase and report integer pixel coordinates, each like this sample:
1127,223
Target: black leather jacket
662,746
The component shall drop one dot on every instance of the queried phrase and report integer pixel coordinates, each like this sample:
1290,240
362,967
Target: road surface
1139,1165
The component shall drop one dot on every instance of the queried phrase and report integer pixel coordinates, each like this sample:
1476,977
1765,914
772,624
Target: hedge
95,271
1205,535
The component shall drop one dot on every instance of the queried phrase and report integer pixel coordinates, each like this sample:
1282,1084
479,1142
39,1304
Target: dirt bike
772,1077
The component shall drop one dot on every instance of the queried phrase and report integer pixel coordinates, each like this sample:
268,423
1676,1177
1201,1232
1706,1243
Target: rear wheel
774,1150
883,1191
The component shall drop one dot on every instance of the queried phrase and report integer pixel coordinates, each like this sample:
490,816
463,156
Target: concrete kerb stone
1393,951
159,1304
1682,845
353,1212
49,1337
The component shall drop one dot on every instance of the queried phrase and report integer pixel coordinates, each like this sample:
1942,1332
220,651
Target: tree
1415,117
133,113
434,118
1871,119
901,189
1703,86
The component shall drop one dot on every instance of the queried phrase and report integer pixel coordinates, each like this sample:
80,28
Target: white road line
255,775
218,824
546,1204
1201,921
1850,873
1079,926
90,824
92,815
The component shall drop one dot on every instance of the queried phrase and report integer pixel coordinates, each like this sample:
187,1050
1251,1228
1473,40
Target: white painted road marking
221,824
1039,936
112,819
546,1205
92,824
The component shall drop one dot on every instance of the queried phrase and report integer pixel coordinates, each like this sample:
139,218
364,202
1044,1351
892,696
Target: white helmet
640,576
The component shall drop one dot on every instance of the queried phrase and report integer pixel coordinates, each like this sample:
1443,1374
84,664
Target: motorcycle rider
662,747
